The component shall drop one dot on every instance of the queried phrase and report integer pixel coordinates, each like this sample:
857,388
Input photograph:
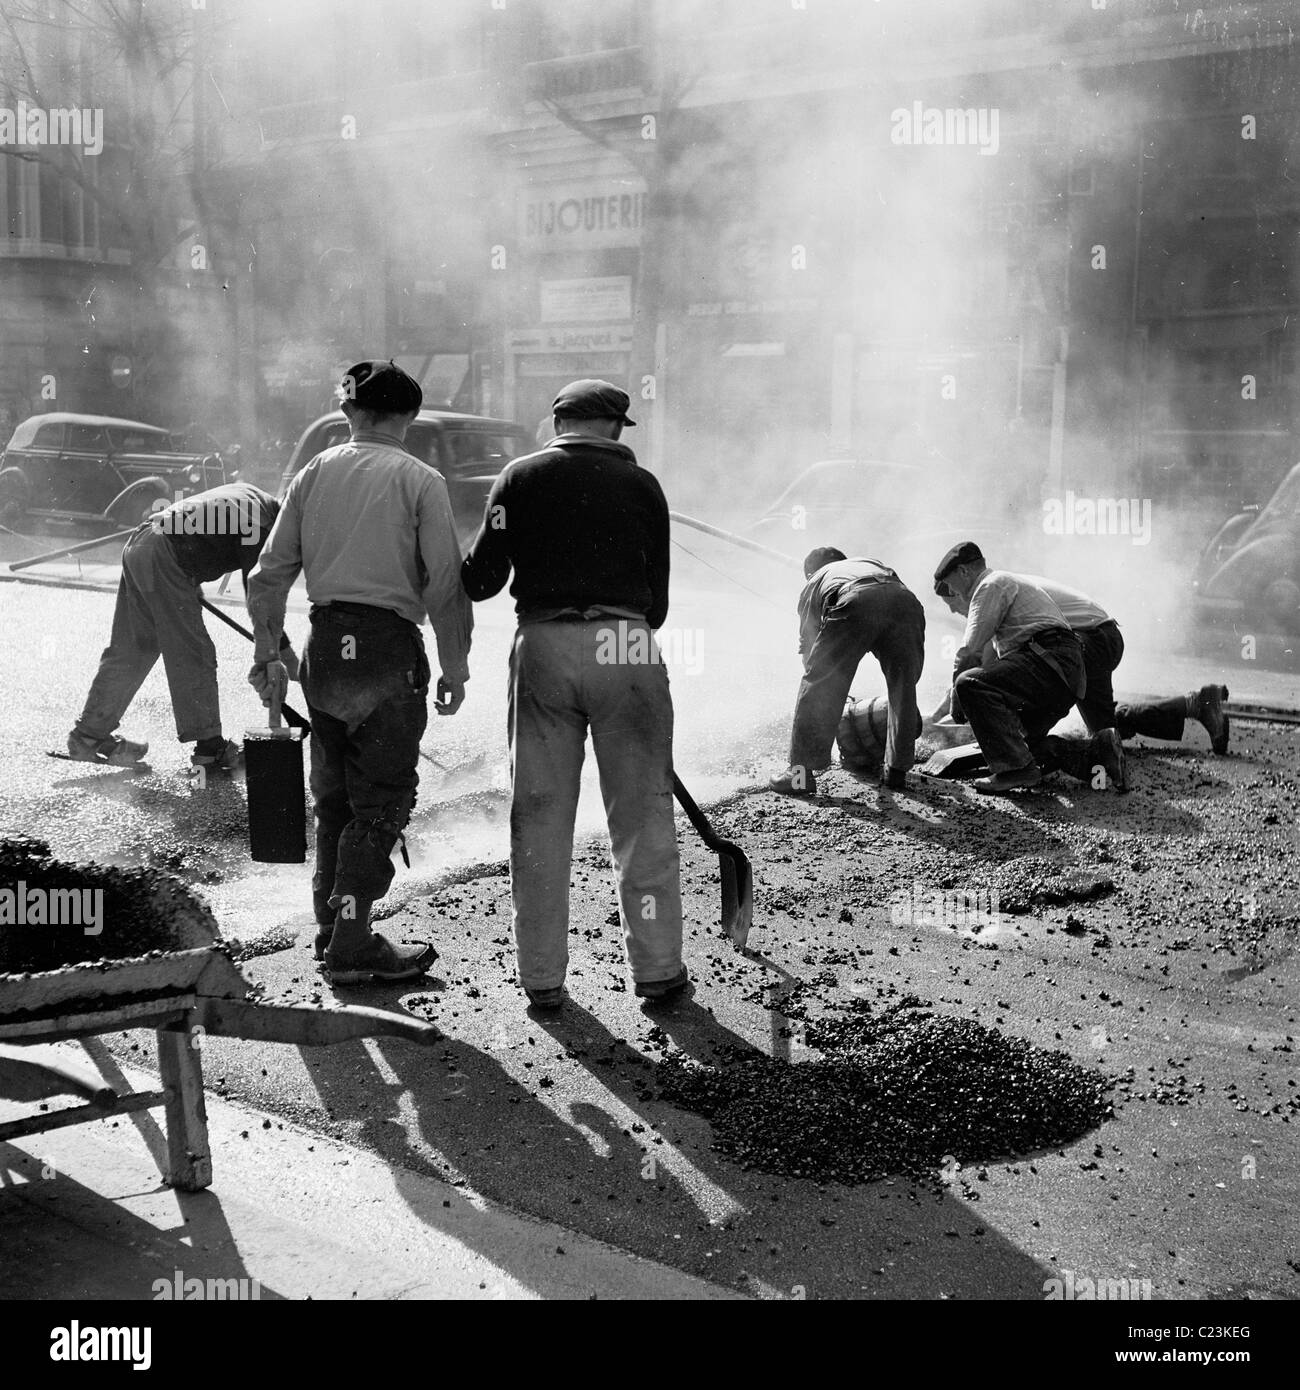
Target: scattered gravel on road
896,1091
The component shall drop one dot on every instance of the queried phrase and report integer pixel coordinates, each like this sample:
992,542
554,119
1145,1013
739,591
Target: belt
586,615
360,610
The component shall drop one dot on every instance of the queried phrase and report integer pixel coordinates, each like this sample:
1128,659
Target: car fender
13,473
1248,571
1224,538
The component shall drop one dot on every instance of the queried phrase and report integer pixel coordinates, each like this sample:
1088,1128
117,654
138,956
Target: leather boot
1206,706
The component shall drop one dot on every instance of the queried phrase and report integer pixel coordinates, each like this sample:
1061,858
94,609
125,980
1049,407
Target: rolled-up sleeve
451,614
271,578
988,606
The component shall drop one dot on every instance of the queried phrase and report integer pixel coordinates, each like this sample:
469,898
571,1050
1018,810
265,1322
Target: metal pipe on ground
732,539
69,550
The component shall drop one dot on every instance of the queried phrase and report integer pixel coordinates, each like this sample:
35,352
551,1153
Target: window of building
556,29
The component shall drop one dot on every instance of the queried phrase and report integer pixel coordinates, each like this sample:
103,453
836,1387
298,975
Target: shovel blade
963,761
737,897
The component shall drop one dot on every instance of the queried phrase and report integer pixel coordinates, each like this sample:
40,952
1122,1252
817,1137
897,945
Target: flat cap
381,386
590,399
963,553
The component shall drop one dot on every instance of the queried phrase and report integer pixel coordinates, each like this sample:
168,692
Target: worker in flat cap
1035,678
585,531
847,609
1103,648
370,527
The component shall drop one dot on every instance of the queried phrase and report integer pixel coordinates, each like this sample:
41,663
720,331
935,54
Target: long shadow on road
601,1153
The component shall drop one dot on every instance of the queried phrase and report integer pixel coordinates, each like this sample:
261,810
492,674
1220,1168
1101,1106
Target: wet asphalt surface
1178,980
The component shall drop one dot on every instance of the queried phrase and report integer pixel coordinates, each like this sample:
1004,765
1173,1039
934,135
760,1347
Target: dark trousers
887,620
1103,649
1012,703
366,680
157,614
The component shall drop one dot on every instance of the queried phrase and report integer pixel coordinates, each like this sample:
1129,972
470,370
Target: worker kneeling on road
586,531
1103,649
847,609
1038,675
371,528
159,613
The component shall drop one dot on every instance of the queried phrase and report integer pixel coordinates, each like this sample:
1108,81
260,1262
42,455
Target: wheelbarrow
184,995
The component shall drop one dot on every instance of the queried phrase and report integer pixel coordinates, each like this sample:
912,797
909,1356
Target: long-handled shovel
733,865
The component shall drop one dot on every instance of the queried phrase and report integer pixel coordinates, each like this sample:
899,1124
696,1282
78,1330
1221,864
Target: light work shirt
366,522
1007,610
1076,607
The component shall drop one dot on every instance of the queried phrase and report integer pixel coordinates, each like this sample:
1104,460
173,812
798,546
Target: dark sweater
218,531
581,525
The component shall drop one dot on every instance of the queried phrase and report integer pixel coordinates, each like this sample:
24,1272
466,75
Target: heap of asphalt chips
132,919
901,1092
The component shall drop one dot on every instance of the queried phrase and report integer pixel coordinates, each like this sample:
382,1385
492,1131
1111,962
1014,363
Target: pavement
292,1214
529,1118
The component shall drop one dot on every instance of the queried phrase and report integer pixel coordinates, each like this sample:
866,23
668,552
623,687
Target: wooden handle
276,701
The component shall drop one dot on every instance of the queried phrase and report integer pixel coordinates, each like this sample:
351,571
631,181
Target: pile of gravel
141,910
895,1092
1027,883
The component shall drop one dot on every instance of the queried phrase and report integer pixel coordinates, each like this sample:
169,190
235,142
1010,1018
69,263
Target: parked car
1250,571
468,450
97,470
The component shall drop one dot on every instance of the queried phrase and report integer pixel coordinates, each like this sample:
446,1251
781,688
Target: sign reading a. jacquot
593,213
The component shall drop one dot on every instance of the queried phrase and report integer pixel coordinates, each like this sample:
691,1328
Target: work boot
794,781
220,754
378,960
1206,705
546,999
894,779
1107,752
111,751
657,991
325,915
1018,779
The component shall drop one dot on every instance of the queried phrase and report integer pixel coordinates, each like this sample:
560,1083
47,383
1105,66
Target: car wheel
13,503
136,511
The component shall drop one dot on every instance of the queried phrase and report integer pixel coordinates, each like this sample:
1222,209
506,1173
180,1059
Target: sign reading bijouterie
585,215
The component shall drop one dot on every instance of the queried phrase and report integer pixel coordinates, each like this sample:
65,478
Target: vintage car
1249,573
468,450
97,471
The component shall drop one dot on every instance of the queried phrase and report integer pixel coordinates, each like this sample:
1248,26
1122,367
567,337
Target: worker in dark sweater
586,533
158,613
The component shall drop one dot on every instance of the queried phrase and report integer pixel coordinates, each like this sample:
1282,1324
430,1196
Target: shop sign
582,216
597,300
